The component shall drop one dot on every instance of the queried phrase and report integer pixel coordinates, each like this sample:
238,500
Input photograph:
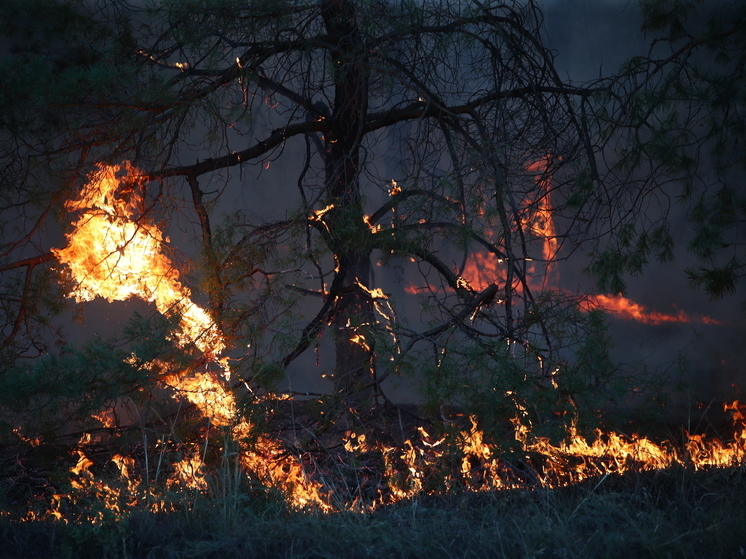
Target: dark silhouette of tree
671,130
468,99
424,137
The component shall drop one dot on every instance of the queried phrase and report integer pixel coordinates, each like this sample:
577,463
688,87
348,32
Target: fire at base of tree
435,144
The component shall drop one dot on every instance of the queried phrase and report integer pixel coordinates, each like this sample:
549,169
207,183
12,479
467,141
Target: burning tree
438,141
435,141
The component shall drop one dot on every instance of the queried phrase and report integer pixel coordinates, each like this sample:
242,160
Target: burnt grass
677,512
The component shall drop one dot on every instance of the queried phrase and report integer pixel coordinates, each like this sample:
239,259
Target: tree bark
354,320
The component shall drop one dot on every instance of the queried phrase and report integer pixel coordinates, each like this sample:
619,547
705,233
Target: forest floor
674,512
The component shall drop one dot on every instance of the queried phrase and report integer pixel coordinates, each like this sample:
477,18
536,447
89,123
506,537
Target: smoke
591,38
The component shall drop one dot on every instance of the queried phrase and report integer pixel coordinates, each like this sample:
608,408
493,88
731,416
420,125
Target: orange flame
189,472
482,270
541,221
572,460
629,310
112,255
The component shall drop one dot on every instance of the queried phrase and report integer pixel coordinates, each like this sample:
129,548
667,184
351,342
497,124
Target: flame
114,255
373,228
209,395
33,441
570,461
482,270
265,459
629,310
409,470
111,254
359,340
189,472
541,220
317,215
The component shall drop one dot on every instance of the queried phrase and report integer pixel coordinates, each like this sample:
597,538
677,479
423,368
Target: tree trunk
354,316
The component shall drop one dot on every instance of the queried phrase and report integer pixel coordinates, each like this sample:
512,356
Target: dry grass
676,513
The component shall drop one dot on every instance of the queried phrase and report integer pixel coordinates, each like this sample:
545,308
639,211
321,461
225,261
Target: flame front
113,254
629,310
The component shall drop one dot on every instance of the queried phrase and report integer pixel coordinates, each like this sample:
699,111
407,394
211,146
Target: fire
407,469
629,310
113,255
395,189
482,270
373,228
541,221
189,472
209,395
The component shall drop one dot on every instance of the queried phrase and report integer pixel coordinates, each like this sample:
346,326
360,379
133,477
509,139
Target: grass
674,513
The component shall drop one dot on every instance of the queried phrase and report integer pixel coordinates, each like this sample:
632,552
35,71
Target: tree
671,128
491,157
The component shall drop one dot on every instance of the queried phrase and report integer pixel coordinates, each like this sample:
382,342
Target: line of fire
328,205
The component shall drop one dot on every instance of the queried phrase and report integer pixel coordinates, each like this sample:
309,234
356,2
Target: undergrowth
672,513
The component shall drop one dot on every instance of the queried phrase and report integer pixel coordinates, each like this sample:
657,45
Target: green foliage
719,281
610,267
684,106
59,393
666,15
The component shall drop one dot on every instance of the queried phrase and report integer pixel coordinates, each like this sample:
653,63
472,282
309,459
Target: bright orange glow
189,472
114,254
482,270
572,460
395,188
627,309
541,221
111,254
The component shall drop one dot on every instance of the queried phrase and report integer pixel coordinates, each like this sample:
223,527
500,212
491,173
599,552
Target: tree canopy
434,140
